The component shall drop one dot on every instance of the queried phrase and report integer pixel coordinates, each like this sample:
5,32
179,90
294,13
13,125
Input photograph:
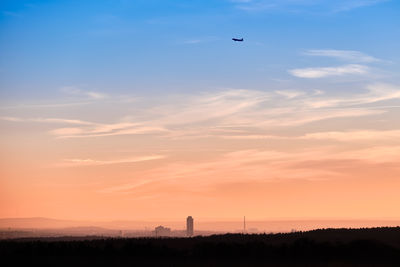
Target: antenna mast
244,224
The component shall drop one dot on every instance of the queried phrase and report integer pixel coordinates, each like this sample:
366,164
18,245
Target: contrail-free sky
147,109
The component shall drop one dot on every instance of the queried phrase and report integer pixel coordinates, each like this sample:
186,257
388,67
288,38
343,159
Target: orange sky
148,110
220,155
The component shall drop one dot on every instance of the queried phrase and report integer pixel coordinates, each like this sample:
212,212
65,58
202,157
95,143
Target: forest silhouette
343,247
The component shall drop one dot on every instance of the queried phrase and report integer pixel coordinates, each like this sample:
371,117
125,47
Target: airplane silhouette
237,40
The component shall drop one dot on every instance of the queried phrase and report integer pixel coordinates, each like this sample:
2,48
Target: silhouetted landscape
332,247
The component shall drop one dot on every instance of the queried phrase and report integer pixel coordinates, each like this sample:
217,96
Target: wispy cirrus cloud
304,5
199,40
353,136
250,165
62,121
254,165
44,106
231,110
351,56
72,90
63,133
322,72
346,55
290,93
93,162
254,5
14,119
48,120
349,5
67,131
264,110
193,41
12,14
86,129
107,129
375,93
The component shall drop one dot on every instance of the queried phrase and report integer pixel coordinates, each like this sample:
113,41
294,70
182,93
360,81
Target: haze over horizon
24,227
136,110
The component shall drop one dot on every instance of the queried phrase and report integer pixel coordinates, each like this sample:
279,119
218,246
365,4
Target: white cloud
340,136
95,95
72,90
290,93
255,5
318,92
240,112
66,131
10,119
127,187
355,135
62,121
352,4
88,133
253,137
193,41
304,5
48,120
343,136
348,55
198,40
321,72
92,162
44,106
12,14
229,167
262,165
262,111
375,93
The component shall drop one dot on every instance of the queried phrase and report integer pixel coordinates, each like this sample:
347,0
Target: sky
147,110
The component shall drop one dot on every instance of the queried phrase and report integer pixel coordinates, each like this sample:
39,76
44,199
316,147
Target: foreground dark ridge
343,247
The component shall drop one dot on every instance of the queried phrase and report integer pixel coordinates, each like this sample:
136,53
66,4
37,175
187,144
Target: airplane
237,40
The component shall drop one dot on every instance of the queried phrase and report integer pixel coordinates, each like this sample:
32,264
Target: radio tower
244,224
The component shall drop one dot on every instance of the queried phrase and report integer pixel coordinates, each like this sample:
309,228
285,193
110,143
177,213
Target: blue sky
121,46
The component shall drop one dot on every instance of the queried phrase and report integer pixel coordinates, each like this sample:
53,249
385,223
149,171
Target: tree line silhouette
369,247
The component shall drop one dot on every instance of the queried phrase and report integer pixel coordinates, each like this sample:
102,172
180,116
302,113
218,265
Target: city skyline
143,110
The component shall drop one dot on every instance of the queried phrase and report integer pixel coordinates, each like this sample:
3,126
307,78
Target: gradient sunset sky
144,109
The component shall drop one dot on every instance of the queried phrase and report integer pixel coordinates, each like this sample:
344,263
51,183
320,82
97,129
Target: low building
162,231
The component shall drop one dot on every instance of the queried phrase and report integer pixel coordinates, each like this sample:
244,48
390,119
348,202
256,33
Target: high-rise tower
189,226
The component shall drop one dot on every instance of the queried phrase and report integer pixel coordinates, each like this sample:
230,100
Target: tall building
189,226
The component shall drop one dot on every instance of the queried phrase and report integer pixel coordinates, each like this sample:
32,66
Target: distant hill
39,223
48,223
